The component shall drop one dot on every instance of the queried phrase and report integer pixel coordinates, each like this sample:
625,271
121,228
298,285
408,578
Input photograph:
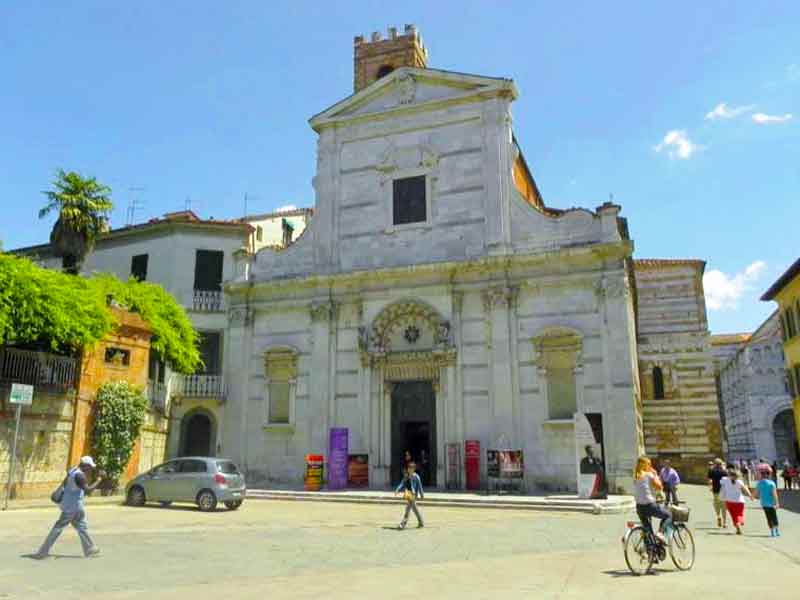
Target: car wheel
207,501
233,504
136,496
165,503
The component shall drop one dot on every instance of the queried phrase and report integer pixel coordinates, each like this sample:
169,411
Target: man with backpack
69,497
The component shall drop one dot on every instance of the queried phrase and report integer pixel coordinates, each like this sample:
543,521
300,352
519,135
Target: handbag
58,493
408,496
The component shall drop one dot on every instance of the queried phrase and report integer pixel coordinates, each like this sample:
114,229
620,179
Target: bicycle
643,548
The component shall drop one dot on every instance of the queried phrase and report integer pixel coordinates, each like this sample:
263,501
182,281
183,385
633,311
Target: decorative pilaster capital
458,302
499,297
323,311
240,315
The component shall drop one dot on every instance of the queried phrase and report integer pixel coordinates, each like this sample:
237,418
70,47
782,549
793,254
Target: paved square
273,549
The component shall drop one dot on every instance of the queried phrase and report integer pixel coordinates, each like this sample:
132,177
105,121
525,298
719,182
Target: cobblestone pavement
273,549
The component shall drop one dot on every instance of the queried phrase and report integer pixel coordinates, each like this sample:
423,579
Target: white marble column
322,315
497,302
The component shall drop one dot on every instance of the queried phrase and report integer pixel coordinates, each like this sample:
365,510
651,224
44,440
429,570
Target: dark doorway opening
414,429
198,435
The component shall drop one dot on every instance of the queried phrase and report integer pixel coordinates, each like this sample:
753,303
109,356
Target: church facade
433,298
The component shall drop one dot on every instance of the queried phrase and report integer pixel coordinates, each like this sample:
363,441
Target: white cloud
723,111
678,145
286,208
723,291
764,119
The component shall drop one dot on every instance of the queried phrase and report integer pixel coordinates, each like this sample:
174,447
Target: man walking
76,486
715,475
411,486
670,479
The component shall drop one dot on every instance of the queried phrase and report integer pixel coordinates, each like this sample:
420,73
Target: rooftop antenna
134,204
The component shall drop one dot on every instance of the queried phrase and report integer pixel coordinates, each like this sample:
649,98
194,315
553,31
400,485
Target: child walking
734,490
768,495
411,486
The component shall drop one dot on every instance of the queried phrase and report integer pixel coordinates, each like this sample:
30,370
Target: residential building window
658,383
796,381
409,202
210,352
156,368
139,267
557,358
784,333
281,371
791,329
259,233
208,270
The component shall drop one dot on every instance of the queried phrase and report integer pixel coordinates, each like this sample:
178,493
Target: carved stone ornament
402,158
499,296
411,334
240,316
444,334
398,314
406,88
323,311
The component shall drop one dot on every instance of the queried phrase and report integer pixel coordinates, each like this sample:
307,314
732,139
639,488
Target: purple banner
337,458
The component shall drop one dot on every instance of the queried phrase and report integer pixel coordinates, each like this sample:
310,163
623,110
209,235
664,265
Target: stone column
322,316
497,174
457,387
497,302
238,372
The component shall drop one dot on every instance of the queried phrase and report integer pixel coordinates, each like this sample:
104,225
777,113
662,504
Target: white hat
89,461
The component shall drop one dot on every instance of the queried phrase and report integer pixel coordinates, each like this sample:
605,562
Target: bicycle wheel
637,557
681,547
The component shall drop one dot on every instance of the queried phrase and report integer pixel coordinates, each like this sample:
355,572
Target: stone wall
673,336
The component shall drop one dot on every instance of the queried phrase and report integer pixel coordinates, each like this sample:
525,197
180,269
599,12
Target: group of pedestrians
729,490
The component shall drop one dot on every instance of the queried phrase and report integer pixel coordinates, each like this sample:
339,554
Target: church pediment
410,88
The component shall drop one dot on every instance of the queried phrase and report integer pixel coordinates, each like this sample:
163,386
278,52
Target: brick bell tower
379,57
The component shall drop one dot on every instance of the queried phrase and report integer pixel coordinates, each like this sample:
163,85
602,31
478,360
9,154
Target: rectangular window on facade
409,203
287,232
259,233
279,402
210,352
561,396
139,267
208,270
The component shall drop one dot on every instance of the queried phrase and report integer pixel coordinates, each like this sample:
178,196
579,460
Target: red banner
472,464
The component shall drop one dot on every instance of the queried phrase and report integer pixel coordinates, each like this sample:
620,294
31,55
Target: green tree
120,411
83,205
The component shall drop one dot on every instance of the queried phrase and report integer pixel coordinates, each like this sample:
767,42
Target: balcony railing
37,368
157,394
207,301
200,386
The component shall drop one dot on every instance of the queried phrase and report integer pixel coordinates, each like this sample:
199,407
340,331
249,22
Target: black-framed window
139,267
208,270
409,204
117,356
658,383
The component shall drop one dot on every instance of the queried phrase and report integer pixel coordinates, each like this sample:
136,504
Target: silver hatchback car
200,480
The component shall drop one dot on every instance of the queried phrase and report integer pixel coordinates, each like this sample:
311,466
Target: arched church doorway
198,434
784,432
414,429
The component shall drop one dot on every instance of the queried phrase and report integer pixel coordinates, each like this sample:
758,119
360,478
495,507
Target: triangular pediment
408,88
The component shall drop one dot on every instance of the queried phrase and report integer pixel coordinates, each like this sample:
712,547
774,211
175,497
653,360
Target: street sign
21,394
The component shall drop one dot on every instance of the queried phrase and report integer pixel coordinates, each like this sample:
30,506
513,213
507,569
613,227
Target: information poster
337,458
358,470
505,464
313,478
453,480
589,455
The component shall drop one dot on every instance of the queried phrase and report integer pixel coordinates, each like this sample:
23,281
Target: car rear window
227,467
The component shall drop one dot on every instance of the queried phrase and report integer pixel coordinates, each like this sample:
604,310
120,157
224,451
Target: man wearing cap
76,486
715,475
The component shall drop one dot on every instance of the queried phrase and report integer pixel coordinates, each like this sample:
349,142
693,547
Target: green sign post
21,395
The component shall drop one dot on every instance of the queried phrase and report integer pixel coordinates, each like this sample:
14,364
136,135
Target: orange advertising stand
313,477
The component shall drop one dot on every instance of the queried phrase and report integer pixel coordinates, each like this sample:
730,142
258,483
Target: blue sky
210,100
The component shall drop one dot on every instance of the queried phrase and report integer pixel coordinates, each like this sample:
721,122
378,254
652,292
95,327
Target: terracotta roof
184,218
790,273
720,339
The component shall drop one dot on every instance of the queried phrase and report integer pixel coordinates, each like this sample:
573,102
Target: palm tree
83,205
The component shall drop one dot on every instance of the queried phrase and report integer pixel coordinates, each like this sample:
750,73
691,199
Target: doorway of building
784,432
197,437
414,429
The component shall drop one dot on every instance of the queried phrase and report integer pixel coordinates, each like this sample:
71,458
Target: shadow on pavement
34,556
625,573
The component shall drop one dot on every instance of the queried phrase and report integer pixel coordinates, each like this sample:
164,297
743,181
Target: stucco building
681,412
434,298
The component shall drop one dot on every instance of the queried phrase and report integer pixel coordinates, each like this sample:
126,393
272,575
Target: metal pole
13,457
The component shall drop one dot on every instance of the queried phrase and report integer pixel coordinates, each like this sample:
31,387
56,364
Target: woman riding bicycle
645,484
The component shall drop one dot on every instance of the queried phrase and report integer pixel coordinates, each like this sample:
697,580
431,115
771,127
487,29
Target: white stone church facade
433,298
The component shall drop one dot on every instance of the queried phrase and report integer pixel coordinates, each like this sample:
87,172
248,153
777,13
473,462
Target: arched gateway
198,434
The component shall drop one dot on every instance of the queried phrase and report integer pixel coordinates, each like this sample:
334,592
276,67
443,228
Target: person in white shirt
734,491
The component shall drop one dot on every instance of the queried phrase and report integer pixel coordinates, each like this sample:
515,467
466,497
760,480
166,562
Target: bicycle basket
680,514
